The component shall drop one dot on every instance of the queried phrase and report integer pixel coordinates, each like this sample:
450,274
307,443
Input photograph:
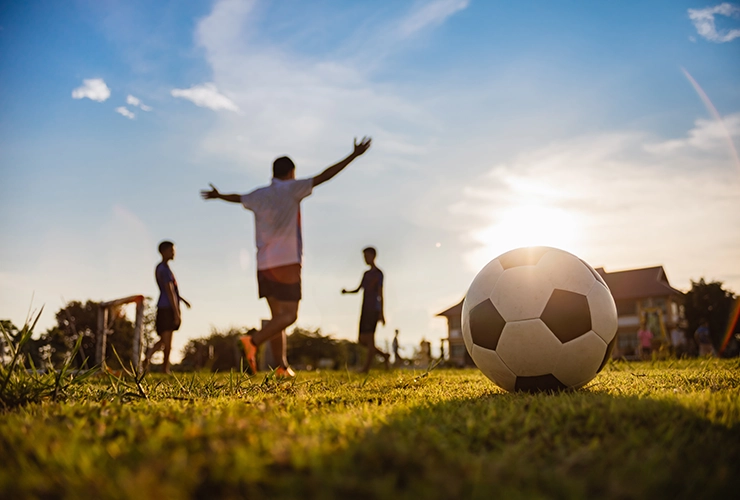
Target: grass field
639,430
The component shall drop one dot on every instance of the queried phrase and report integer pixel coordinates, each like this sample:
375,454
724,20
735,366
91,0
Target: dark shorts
166,320
368,322
281,283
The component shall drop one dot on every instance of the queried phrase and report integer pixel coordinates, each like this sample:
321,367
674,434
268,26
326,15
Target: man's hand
187,304
213,194
344,291
382,318
363,146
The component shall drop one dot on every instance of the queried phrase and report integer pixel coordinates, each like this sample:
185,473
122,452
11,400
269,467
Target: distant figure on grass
704,339
168,306
277,215
396,347
372,308
678,341
645,337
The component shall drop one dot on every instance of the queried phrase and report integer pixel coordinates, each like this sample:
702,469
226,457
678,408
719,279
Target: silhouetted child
168,306
277,220
372,308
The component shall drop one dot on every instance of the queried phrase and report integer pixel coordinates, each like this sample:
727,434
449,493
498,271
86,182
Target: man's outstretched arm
213,194
338,167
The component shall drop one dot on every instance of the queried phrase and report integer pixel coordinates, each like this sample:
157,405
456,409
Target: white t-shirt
277,221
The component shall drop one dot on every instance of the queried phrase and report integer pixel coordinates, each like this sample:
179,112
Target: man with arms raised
277,215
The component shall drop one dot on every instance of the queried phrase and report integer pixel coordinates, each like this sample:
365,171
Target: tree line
219,351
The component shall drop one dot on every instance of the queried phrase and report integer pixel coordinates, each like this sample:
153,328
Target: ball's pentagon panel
528,348
479,291
567,315
521,293
492,367
566,271
486,325
528,256
539,383
603,312
579,360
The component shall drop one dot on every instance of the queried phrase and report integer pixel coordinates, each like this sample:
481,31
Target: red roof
638,283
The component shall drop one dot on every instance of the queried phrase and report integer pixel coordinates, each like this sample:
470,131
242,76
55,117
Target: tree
307,348
78,319
710,302
218,352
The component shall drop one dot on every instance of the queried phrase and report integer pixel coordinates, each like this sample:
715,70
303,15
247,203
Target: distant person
704,339
645,338
396,356
678,341
372,308
168,306
277,216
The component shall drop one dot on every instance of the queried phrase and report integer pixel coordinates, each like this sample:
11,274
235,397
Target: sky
608,129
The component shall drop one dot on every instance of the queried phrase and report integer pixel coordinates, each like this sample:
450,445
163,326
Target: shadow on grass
578,445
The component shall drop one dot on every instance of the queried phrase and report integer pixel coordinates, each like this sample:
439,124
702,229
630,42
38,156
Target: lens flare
715,114
734,315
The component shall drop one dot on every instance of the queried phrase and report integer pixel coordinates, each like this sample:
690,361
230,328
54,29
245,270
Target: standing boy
277,216
168,306
372,307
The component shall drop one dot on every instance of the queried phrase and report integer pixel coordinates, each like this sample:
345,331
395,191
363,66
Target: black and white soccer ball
539,319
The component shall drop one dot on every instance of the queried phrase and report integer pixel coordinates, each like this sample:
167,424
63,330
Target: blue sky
495,125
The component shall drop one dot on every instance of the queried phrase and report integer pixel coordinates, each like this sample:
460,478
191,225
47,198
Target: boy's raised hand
210,195
362,146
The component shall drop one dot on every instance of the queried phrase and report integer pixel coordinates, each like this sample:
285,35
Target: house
458,354
643,295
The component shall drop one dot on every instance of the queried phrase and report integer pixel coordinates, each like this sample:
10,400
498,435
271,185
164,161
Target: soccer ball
539,319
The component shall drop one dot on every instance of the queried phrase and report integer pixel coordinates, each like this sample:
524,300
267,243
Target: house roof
638,283
455,310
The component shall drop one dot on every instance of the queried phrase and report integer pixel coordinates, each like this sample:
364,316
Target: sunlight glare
530,224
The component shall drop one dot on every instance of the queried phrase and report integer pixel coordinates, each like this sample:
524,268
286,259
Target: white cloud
608,200
122,110
94,89
430,14
206,96
135,101
703,20
707,135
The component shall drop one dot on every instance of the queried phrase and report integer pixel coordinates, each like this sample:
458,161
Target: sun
527,224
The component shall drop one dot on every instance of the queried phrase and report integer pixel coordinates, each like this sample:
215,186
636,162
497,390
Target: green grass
639,430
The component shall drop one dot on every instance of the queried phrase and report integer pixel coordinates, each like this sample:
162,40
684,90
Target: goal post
104,320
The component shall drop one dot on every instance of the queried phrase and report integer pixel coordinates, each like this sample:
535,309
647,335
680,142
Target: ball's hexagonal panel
492,367
567,315
482,285
539,383
598,277
603,312
486,325
579,360
528,256
528,348
566,271
608,355
521,293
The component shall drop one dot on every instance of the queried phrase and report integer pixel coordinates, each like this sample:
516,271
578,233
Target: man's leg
167,341
284,314
278,343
